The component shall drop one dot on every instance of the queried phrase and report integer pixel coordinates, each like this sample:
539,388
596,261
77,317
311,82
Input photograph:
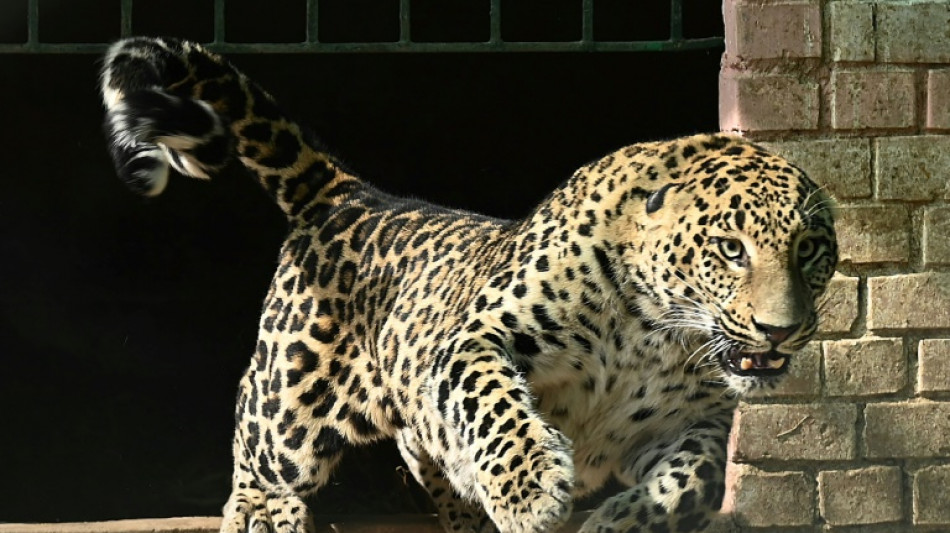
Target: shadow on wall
125,323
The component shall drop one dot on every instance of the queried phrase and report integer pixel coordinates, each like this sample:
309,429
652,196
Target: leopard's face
741,250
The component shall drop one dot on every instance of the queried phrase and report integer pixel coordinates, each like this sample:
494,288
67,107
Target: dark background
125,322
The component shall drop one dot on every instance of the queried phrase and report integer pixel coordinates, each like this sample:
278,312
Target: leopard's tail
174,104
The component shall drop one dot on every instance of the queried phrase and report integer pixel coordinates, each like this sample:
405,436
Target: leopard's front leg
456,514
676,484
478,422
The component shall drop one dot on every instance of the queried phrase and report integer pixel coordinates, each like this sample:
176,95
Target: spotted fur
518,364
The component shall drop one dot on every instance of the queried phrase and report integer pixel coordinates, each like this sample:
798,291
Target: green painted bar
219,20
337,48
33,22
404,28
587,22
676,20
495,14
313,21
313,45
125,14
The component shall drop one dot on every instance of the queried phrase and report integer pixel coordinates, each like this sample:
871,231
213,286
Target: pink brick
912,168
769,499
842,166
909,301
938,99
913,31
934,244
766,102
907,429
773,30
872,99
794,432
851,30
874,233
933,370
931,497
840,305
869,495
864,367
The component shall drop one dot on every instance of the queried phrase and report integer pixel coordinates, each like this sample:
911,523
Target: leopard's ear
658,198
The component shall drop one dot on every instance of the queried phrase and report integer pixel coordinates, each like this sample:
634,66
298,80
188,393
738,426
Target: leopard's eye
806,249
732,249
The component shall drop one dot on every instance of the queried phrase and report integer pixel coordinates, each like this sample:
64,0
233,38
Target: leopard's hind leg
280,459
250,510
253,509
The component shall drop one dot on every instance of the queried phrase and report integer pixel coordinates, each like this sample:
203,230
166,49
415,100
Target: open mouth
755,364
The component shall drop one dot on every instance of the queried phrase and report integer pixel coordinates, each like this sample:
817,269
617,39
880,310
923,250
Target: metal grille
496,39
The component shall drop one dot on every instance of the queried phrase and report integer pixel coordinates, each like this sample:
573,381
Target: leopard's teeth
776,364
746,363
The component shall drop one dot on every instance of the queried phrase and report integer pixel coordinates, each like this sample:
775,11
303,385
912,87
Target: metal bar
125,15
587,22
404,27
33,23
336,48
572,46
494,35
676,20
313,21
219,21
50,48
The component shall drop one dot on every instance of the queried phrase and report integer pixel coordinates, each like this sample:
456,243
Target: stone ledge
350,524
144,525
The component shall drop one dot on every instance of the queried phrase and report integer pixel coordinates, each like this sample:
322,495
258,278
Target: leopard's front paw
532,493
250,511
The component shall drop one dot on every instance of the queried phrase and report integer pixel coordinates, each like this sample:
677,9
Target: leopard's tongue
760,361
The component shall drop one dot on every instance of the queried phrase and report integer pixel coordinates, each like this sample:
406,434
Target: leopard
519,365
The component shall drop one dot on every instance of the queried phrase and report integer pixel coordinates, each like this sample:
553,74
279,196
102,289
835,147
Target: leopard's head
739,245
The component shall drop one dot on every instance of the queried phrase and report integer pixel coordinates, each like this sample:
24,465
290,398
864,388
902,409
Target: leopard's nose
776,334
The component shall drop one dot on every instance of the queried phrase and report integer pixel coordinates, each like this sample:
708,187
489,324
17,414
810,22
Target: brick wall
857,92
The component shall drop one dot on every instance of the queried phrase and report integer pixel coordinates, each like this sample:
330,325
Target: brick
935,245
932,496
933,366
909,429
842,166
938,99
766,102
913,32
809,432
874,233
913,168
864,367
864,496
909,301
773,30
862,99
839,305
769,499
851,31
803,378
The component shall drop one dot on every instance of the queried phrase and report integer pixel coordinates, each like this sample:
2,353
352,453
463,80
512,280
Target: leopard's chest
622,401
